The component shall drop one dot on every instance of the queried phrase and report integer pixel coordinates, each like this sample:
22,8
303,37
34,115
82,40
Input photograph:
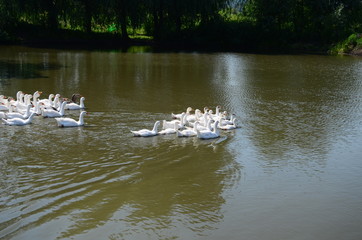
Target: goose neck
155,126
30,118
81,118
81,104
61,111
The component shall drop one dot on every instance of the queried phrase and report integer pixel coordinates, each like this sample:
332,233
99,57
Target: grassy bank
352,46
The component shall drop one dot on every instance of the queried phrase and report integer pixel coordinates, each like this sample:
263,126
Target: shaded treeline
247,24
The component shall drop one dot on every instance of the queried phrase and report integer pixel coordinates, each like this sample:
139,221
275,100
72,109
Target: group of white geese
204,125
21,111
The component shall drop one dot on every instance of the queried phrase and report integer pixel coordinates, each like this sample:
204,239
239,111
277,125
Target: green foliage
352,42
242,24
112,28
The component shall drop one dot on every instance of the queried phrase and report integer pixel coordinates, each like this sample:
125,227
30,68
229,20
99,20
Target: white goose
19,104
209,134
180,115
189,132
69,122
74,106
13,101
18,121
194,117
206,110
27,99
169,130
204,119
225,121
229,126
12,115
51,113
3,99
36,95
5,106
37,108
179,123
208,126
56,102
146,132
49,101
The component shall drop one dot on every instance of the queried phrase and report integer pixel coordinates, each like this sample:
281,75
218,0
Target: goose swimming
74,106
229,126
169,130
69,122
51,113
19,115
189,132
180,115
209,134
18,121
170,124
146,132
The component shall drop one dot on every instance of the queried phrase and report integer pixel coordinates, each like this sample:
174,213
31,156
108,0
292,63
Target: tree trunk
156,24
88,16
158,19
52,18
123,23
122,19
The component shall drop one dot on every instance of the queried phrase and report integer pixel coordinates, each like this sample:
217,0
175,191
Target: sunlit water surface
292,171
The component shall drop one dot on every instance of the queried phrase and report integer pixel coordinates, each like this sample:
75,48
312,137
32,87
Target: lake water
292,171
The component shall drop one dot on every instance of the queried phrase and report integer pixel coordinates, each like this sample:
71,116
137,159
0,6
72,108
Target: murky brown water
293,171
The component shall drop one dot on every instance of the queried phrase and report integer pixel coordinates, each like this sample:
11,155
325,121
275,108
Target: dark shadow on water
13,69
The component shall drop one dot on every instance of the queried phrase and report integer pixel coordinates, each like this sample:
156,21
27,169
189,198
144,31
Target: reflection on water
298,115
89,177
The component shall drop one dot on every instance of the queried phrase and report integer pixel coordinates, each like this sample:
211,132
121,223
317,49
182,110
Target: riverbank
350,46
356,52
198,40
118,43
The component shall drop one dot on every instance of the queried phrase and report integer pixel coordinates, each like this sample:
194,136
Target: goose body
74,106
4,106
229,126
146,132
18,121
69,122
36,109
51,113
208,126
47,102
3,99
55,104
169,130
180,115
19,115
209,134
226,121
194,117
179,123
19,104
189,132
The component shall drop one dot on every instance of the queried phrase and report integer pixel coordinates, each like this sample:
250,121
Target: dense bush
242,24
